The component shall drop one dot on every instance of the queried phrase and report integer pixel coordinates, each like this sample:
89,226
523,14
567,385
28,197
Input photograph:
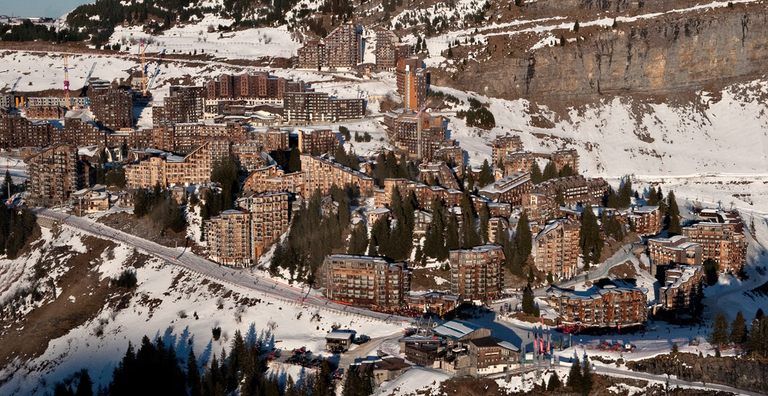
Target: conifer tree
586,376
625,193
739,329
193,375
554,382
523,241
550,171
485,217
528,303
358,240
673,215
574,375
590,240
486,174
452,241
711,271
84,385
719,334
536,176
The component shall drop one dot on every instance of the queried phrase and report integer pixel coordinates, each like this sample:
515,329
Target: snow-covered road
225,275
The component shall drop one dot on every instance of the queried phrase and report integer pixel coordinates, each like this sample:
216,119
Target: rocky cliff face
660,56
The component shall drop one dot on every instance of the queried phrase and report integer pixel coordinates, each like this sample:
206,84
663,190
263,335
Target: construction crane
157,71
67,97
142,53
17,100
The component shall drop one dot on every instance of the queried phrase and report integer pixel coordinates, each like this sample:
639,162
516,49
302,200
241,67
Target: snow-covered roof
454,329
340,335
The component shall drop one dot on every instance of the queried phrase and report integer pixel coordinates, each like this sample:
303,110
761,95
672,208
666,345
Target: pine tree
486,174
739,329
523,241
673,215
586,376
193,375
554,382
719,334
590,240
574,375
711,271
625,193
434,243
536,176
85,385
485,217
452,241
528,303
358,242
550,171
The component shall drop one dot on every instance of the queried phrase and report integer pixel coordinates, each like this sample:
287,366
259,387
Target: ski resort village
422,197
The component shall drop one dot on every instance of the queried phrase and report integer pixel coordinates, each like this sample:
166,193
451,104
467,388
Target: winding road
208,269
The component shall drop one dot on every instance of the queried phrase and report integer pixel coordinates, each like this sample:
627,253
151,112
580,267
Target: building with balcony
371,282
556,249
476,274
607,304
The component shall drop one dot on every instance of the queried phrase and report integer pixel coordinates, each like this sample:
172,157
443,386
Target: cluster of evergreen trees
518,249
314,235
28,31
591,240
389,166
580,376
550,172
290,161
348,159
394,238
755,340
16,227
161,207
477,115
155,369
445,234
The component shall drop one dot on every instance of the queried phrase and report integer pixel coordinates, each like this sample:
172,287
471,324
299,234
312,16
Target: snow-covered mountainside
181,307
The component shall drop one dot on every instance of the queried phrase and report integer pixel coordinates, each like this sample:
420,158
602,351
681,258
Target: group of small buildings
461,349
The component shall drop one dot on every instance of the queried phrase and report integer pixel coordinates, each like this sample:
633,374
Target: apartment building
270,139
574,189
389,49
645,220
540,206
417,135
438,174
683,289
182,138
311,55
563,158
320,173
184,104
167,169
476,274
57,101
113,108
229,238
556,249
17,131
424,194
519,161
510,189
675,250
492,355
54,175
317,141
272,178
308,107
505,145
341,48
412,83
80,130
269,219
260,86
722,242
45,112
371,282
607,304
